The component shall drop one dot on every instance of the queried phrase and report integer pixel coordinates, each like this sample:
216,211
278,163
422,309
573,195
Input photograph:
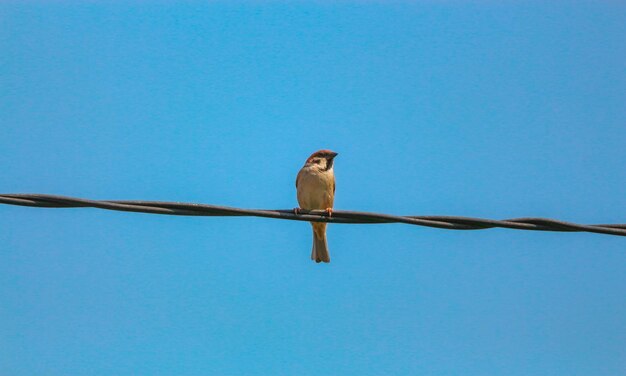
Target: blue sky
453,108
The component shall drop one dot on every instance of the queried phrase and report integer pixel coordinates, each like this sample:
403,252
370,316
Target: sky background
452,108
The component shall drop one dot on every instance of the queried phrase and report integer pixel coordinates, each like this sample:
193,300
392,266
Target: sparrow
315,185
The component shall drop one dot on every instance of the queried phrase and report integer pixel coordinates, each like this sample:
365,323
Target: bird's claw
329,211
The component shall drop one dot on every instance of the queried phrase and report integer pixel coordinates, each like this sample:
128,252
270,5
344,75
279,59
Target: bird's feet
329,212
296,211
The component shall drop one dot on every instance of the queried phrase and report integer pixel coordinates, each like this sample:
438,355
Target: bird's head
322,159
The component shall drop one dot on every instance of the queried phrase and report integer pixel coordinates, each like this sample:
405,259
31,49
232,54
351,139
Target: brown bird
315,184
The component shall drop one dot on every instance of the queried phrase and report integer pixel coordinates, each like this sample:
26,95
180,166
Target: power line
338,216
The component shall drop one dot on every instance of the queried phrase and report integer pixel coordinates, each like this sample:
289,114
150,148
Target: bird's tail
320,246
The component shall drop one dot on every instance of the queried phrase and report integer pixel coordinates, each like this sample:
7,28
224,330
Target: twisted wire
338,216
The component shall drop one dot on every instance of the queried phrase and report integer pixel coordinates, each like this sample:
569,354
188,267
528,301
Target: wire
338,216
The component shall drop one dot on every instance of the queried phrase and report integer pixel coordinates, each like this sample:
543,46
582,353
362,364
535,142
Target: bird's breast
315,190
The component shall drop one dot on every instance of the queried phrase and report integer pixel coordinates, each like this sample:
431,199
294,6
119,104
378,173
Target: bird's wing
298,177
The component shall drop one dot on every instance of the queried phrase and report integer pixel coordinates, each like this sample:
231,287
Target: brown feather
315,185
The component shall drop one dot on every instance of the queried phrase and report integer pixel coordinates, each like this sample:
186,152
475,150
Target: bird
315,186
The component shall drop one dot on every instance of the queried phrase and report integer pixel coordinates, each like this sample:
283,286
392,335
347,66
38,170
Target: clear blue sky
488,110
